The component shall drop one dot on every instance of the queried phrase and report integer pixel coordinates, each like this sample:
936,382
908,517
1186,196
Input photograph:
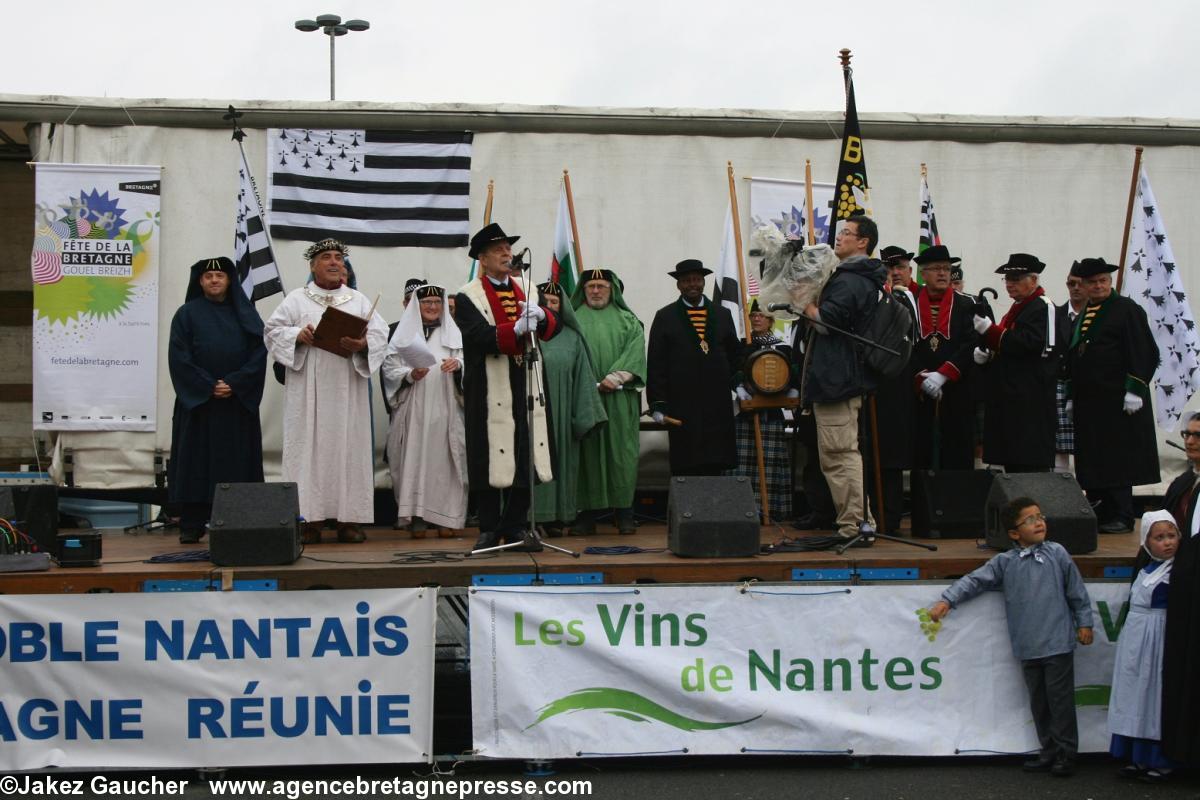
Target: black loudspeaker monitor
35,510
948,504
712,517
1070,520
254,524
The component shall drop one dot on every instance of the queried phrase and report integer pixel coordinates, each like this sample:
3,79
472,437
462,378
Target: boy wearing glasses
1048,611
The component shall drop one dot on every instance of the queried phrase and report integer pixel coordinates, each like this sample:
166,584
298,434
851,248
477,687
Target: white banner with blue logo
570,672
216,678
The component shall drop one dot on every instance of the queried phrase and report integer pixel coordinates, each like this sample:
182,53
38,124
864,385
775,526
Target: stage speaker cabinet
35,508
1070,520
712,517
254,524
949,504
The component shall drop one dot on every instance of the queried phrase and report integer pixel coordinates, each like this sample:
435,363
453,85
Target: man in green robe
575,409
609,455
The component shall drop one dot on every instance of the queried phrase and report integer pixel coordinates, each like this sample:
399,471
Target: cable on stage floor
804,544
179,557
623,550
405,557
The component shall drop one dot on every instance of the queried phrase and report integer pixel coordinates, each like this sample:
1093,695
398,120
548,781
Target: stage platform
392,558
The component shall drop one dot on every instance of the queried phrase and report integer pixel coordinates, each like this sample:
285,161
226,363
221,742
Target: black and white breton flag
251,246
376,188
1154,279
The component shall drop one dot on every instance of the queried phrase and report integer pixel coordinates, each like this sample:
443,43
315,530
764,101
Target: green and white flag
562,263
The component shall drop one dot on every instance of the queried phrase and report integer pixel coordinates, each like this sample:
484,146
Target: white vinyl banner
216,678
95,297
782,203
619,671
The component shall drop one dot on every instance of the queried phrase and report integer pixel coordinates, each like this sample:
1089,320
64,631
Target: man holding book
327,419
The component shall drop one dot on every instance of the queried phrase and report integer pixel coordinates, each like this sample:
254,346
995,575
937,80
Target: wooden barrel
768,372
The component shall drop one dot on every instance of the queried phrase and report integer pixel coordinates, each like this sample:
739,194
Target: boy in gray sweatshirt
1048,610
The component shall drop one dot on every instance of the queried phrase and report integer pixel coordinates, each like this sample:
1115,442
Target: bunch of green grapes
929,628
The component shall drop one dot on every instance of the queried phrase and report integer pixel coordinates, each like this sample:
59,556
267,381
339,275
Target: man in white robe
327,419
427,443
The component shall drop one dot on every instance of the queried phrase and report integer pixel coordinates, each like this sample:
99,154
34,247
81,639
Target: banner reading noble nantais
95,297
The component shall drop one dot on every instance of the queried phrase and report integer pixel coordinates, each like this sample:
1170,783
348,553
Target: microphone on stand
779,307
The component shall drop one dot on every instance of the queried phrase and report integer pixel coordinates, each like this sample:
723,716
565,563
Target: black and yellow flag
851,195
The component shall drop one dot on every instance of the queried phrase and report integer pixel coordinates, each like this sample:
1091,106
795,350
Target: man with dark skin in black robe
692,365
217,361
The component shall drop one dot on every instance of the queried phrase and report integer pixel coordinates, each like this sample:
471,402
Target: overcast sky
1021,57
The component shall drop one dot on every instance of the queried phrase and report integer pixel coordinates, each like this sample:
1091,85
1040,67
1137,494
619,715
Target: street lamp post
332,26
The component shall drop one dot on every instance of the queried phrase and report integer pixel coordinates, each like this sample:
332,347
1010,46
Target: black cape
1181,649
1019,415
693,386
950,421
1113,449
215,440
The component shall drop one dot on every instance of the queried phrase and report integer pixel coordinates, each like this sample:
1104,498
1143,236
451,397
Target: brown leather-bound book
335,324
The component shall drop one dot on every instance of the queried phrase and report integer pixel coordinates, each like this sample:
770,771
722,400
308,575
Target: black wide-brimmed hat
1021,264
891,254
597,275
489,235
1090,267
939,252
687,266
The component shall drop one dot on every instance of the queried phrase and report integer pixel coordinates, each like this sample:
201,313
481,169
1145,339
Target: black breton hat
938,252
1021,264
489,235
1090,267
550,287
689,265
956,273
597,275
891,254
412,284
425,291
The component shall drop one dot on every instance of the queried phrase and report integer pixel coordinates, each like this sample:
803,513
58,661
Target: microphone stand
531,540
834,328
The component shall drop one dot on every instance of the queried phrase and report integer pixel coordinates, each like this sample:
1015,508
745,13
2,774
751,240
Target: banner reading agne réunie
95,297
560,673
216,678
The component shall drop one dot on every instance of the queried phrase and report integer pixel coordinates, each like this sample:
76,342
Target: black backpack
890,325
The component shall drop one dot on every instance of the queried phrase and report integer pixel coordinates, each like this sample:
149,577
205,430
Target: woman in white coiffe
426,446
1134,707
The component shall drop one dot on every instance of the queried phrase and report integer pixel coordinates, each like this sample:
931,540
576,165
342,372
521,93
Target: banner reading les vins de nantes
567,672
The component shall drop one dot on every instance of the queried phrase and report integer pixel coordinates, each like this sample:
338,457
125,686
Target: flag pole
808,198
487,206
574,227
238,135
1133,185
742,288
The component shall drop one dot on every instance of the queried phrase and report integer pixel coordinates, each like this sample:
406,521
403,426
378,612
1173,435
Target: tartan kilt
1064,436
777,460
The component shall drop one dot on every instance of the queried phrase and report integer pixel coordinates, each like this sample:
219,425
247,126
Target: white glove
982,355
982,324
1133,403
1069,407
932,385
522,325
658,417
742,393
792,393
527,310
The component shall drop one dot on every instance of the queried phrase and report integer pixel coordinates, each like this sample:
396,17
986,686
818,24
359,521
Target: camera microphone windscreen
779,306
